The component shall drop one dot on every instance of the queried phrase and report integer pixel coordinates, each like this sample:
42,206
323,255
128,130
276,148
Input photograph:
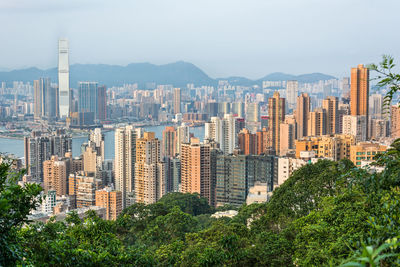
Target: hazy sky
223,37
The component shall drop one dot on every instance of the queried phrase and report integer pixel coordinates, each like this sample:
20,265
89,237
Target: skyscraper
302,114
111,200
253,112
177,100
182,136
355,126
375,105
169,142
125,158
223,132
55,175
359,92
63,78
317,122
292,88
88,98
150,182
330,104
231,180
196,170
44,99
102,103
276,112
247,142
38,148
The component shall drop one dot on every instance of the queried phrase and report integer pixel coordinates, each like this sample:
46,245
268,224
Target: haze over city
199,133
224,38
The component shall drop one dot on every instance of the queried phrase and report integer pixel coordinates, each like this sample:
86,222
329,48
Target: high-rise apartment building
335,147
302,114
253,112
150,182
238,109
395,122
177,100
196,171
276,112
83,186
44,99
182,136
222,131
317,122
375,105
231,180
38,148
356,126
63,78
111,200
359,92
169,142
330,104
97,138
247,142
292,88
55,172
124,164
287,135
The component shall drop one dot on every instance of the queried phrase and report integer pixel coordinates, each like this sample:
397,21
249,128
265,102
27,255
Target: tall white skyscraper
182,136
292,88
222,131
63,78
124,164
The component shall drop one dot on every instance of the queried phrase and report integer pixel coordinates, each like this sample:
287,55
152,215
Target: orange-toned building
302,114
111,200
169,137
365,151
196,170
335,147
359,91
55,175
247,142
331,104
276,113
149,171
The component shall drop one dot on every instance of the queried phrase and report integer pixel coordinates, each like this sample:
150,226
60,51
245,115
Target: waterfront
16,146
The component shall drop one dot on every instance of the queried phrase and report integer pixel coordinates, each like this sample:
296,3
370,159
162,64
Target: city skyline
246,40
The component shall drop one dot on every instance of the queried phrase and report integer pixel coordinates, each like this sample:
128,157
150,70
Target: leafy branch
387,79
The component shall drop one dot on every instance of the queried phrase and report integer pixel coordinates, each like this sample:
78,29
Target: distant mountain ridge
178,74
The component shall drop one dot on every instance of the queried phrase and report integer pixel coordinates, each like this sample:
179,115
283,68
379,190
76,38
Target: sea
16,146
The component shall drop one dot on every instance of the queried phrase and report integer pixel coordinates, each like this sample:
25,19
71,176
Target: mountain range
178,74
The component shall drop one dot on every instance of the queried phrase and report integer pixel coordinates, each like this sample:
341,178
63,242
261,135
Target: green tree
16,202
190,203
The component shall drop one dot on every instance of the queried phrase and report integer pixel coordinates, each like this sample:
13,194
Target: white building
124,164
286,167
222,131
356,126
258,193
182,136
292,88
63,78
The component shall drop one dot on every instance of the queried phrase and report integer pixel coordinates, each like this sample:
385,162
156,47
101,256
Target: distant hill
178,74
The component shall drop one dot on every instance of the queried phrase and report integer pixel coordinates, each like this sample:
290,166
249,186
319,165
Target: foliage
190,203
16,202
387,78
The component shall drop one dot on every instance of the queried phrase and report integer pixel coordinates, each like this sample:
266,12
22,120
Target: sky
224,38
